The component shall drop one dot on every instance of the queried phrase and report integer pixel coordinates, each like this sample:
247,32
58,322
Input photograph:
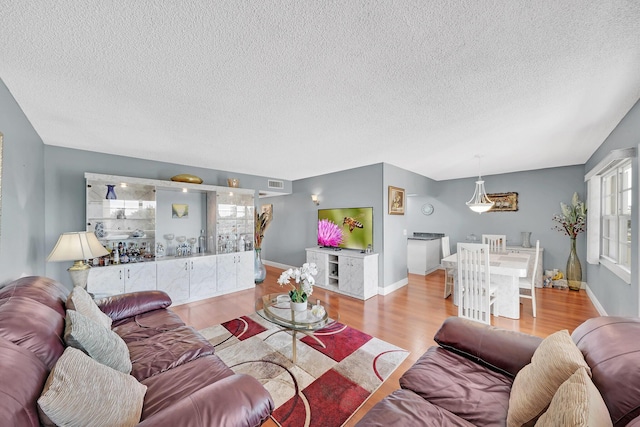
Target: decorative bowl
185,177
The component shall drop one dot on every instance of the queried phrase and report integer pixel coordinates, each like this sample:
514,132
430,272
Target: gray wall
22,248
617,297
295,216
65,188
539,195
396,227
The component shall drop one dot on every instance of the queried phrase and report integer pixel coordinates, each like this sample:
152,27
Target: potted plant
302,288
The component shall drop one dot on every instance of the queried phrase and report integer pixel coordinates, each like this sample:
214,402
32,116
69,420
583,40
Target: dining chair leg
533,300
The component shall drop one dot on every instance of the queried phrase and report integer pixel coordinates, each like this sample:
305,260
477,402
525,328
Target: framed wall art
504,202
396,201
179,210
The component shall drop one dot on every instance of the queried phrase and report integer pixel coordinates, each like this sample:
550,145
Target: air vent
272,183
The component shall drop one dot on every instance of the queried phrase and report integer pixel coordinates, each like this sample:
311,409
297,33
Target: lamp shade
77,245
480,202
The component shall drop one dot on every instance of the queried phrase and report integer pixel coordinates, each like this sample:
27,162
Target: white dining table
506,269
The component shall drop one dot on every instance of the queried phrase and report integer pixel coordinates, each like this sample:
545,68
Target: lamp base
79,273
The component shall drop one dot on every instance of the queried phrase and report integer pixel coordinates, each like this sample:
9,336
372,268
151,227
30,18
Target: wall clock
427,209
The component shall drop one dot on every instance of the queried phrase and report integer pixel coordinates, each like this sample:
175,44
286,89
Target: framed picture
504,202
179,210
267,209
396,201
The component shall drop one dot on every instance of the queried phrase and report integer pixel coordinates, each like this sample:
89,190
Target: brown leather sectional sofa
467,379
187,384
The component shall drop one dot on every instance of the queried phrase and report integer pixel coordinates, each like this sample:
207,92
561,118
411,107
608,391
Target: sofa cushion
576,403
553,362
100,343
619,385
82,392
41,289
168,387
33,326
143,326
499,349
405,408
80,301
166,351
22,375
444,378
122,306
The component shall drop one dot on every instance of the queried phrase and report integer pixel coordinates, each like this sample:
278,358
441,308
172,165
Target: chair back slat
496,242
474,282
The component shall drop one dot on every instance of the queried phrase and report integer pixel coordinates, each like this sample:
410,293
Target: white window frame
611,165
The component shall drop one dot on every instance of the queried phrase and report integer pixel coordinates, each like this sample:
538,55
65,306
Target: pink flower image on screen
329,233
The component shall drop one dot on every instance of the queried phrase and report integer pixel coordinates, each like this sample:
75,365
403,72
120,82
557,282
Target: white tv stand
346,271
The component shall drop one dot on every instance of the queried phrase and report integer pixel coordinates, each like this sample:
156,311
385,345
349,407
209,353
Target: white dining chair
528,284
449,273
496,242
475,293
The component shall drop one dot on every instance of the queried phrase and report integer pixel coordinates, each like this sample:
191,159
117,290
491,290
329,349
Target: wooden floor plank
408,317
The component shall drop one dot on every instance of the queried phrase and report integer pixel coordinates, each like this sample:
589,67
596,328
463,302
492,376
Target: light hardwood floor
408,317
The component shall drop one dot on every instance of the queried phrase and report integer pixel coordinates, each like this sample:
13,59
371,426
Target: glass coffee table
276,309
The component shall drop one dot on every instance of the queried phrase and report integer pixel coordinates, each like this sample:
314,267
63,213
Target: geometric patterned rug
326,385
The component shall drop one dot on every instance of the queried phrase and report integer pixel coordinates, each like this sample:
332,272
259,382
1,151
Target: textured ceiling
291,89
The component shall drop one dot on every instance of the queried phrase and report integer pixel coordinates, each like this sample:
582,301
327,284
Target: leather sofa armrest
238,400
500,349
127,305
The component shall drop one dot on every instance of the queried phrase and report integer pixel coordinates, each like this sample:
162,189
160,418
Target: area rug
326,385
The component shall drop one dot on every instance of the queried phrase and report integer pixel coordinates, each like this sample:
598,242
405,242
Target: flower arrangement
262,221
329,233
573,219
304,281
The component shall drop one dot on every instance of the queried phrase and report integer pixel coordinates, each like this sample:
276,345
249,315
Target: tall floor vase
574,269
260,272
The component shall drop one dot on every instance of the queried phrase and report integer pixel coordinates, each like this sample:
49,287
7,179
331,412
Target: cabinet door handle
186,266
120,271
192,265
128,273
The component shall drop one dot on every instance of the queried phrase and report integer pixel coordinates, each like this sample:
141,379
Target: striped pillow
80,301
553,362
100,343
82,392
576,403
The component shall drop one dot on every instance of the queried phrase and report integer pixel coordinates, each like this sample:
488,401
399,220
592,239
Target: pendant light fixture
480,202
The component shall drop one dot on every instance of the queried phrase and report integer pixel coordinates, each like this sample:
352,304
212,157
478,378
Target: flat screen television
348,228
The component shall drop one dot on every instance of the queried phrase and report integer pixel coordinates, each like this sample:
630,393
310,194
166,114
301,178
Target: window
609,202
616,216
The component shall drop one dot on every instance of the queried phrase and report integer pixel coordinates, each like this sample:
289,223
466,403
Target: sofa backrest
32,311
611,347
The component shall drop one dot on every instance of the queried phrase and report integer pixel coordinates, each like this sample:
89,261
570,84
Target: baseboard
386,290
276,264
595,301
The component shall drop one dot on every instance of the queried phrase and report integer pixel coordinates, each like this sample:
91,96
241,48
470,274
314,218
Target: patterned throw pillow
80,301
82,392
576,403
100,343
553,362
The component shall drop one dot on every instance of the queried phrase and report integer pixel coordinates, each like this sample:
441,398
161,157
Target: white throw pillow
82,392
100,343
80,301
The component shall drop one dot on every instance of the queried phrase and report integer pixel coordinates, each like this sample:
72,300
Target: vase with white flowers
572,221
302,286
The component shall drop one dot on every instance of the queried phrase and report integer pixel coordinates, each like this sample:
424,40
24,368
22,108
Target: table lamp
77,246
